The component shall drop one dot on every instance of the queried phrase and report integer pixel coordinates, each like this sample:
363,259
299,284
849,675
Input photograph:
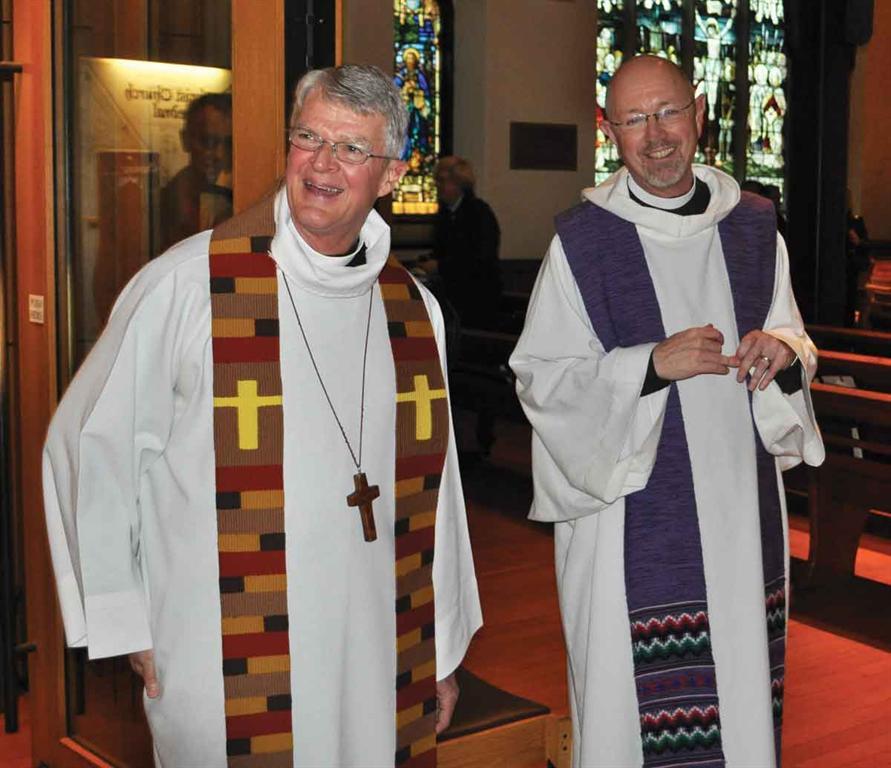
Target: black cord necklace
364,494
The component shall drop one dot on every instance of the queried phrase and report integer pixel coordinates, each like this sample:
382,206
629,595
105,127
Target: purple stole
664,578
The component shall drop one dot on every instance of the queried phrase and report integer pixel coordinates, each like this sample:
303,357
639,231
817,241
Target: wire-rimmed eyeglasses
345,151
664,116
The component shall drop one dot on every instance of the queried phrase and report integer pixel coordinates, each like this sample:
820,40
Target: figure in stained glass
417,74
609,57
715,36
659,27
767,95
664,28
767,10
418,99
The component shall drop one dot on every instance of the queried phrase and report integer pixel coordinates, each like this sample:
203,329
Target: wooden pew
856,340
492,728
481,381
868,371
843,490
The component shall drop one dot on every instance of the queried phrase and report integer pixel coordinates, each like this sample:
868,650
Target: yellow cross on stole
422,396
248,403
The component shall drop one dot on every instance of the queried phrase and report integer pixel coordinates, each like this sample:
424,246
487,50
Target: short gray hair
459,170
362,88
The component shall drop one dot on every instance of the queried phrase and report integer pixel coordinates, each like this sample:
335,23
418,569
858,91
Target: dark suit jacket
466,248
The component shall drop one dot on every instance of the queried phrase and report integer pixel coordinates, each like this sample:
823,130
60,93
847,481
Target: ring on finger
765,359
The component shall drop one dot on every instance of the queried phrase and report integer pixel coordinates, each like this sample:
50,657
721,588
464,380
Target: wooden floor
838,691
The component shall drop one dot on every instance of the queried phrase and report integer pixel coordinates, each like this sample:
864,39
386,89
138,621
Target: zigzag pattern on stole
248,444
418,474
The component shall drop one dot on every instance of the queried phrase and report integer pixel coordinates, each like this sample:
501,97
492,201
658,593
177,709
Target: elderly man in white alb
251,485
665,370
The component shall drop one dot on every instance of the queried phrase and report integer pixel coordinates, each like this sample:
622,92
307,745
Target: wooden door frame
258,162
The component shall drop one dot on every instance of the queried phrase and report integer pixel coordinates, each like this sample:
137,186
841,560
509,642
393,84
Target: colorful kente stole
664,576
248,442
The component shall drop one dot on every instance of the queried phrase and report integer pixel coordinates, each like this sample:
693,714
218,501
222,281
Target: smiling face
330,200
658,157
208,140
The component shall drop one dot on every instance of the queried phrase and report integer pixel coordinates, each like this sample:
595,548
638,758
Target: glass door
148,123
147,142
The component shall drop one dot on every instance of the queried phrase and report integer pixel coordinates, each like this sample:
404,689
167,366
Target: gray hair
459,170
362,88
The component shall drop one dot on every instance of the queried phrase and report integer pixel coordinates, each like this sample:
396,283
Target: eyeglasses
344,151
664,116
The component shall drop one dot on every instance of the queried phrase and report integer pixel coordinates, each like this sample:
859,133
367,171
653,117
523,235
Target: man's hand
690,353
446,697
143,663
765,354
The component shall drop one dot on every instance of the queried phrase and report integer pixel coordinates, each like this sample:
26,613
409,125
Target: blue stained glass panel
417,68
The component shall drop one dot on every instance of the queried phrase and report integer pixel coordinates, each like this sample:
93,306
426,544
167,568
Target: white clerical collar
329,275
664,203
457,204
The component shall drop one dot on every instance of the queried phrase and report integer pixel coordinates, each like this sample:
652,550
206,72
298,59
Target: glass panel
714,68
767,93
151,141
149,162
660,24
610,43
418,71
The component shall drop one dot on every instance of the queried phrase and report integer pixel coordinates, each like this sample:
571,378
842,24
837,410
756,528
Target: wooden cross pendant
362,498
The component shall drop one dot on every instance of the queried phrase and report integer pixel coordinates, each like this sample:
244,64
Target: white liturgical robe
595,439
129,490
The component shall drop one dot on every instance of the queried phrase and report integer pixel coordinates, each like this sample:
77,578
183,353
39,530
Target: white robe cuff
634,424
72,613
117,624
787,425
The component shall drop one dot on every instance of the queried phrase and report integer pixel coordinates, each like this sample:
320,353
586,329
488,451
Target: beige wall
534,63
368,33
869,155
515,60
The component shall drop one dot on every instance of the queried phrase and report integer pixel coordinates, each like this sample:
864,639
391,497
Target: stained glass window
714,68
701,36
610,40
767,93
417,74
660,24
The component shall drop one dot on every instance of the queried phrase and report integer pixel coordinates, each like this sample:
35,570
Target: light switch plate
35,309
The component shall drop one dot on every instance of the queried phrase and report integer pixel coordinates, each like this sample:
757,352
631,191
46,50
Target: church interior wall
368,33
869,148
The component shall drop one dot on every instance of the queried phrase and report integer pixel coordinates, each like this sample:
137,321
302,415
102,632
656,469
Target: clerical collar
689,204
456,205
357,253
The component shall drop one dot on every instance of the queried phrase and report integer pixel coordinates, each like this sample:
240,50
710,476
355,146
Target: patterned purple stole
664,576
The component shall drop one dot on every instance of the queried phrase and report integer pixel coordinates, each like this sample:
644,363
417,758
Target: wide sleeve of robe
594,436
457,603
112,424
786,422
